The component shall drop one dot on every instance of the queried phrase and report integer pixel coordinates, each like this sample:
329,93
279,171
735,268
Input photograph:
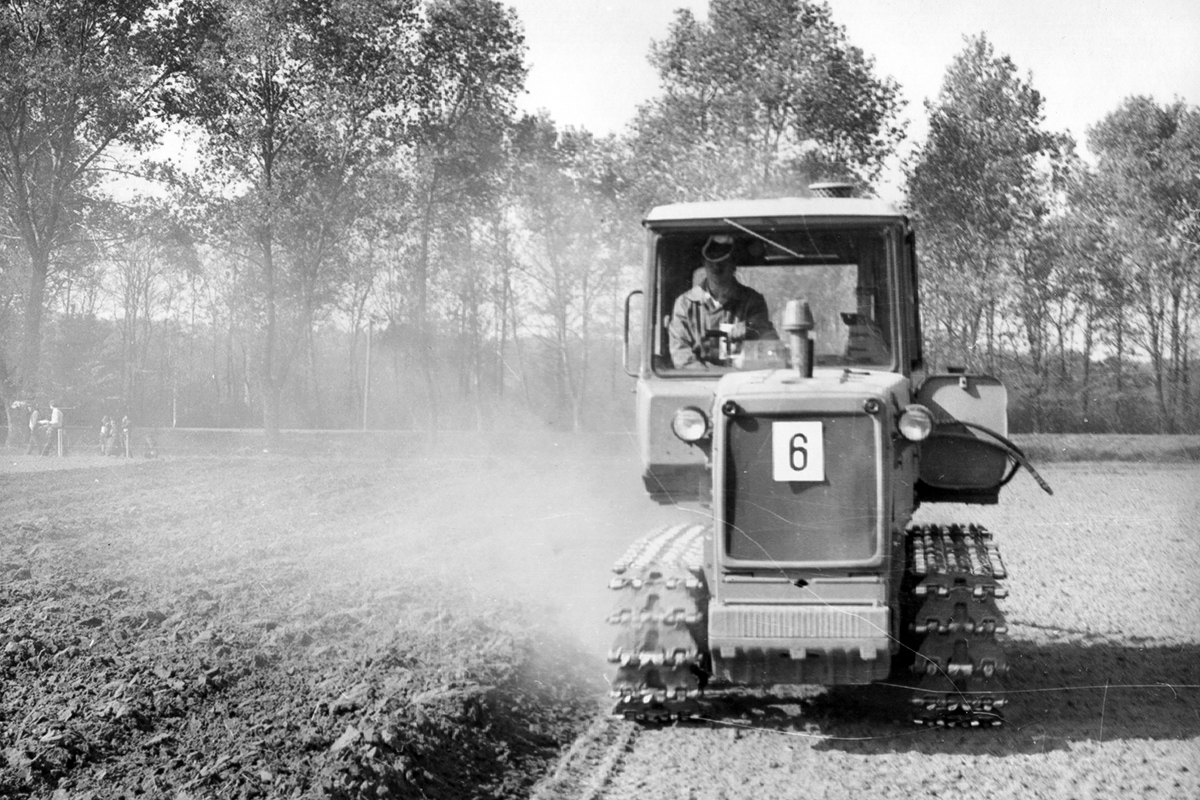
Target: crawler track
951,623
661,627
953,579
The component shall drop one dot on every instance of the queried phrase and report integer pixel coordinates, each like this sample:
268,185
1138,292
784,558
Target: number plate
798,450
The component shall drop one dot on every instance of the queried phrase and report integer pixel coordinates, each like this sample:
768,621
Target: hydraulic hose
1009,448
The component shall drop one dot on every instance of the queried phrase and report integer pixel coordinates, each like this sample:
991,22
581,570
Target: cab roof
770,210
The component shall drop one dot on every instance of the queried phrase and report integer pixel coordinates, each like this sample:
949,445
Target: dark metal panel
834,520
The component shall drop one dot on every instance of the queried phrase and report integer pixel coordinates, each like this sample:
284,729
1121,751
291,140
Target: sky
588,66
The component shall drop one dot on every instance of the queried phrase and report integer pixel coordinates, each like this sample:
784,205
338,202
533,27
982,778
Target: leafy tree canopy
763,97
980,186
1149,163
77,77
979,168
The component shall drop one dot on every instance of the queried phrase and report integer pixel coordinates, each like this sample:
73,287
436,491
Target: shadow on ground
1058,693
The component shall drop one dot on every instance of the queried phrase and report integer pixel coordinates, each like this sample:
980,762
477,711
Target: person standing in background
54,443
35,420
106,435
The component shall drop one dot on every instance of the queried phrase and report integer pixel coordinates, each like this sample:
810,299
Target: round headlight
916,423
690,424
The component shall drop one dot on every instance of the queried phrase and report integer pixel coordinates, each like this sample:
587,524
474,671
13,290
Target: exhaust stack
832,189
797,322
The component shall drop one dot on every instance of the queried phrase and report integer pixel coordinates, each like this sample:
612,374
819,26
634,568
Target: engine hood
835,384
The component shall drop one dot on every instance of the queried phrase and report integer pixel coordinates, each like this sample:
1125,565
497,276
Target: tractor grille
798,622
834,520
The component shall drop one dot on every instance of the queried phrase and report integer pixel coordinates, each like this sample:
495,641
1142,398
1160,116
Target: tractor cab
850,260
842,271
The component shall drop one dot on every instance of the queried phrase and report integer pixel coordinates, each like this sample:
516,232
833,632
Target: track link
660,647
953,578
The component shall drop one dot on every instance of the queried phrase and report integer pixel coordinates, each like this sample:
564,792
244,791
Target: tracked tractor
797,459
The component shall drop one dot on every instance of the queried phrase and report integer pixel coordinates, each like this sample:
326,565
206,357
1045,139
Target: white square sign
798,450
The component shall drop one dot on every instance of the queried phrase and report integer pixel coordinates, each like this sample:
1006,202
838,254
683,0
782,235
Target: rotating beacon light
797,322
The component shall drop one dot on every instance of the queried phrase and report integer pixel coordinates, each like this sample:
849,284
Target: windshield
724,314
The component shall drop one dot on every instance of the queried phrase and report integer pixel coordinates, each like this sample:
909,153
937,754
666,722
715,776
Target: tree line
331,214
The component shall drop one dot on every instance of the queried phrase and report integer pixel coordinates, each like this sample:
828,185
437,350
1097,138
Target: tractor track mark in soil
588,766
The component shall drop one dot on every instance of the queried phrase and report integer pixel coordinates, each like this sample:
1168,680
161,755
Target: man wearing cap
718,303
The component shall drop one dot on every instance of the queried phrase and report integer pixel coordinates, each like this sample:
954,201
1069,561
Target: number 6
802,450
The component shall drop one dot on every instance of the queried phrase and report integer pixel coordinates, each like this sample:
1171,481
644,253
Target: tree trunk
18,425
316,411
26,381
584,356
1086,388
1120,354
268,384
519,352
271,395
502,321
423,334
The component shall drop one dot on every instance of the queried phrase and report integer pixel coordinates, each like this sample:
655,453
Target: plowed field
288,626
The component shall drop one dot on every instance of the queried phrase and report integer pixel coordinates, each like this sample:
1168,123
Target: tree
470,68
573,253
763,97
78,78
1148,168
979,187
300,101
145,261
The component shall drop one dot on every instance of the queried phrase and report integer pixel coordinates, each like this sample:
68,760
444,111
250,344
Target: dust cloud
533,519
531,522
541,524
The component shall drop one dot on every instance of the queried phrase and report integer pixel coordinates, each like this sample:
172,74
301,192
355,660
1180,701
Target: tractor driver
717,307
